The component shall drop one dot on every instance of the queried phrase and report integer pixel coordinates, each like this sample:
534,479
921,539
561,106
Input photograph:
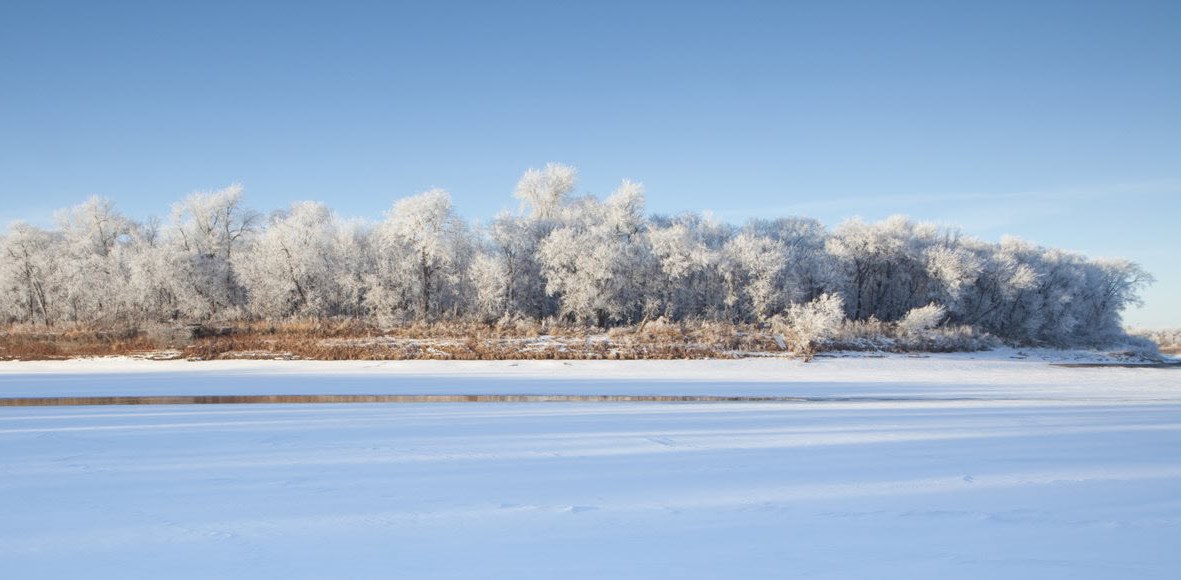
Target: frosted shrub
809,325
921,330
919,321
961,338
863,335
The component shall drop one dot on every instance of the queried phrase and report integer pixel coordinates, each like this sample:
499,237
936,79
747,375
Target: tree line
573,259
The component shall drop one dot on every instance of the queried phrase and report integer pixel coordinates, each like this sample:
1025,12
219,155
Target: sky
1058,122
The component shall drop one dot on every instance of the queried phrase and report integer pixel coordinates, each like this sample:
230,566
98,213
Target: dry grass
352,340
475,341
23,343
511,340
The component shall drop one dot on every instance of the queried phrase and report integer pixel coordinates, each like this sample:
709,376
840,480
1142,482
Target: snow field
989,467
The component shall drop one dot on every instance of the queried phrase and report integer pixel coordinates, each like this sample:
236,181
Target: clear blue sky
1059,122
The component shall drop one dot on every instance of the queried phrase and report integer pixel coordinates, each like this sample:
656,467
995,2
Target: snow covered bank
998,374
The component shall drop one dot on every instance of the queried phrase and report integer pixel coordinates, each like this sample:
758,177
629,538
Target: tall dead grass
35,343
517,340
506,340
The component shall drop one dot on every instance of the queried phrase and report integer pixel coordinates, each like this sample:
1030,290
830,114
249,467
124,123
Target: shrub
808,325
919,321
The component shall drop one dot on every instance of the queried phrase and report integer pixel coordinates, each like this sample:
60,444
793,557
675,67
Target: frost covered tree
543,192
515,275
1112,285
688,280
770,264
954,269
353,249
1037,308
491,281
982,281
421,257
597,263
30,275
91,262
883,266
515,241
152,273
294,267
207,231
807,273
753,267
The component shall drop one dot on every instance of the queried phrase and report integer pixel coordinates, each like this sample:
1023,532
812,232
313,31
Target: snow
963,466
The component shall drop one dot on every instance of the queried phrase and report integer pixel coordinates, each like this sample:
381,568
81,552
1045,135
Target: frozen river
982,466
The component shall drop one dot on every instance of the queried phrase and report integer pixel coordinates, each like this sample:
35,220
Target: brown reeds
353,340
514,340
33,343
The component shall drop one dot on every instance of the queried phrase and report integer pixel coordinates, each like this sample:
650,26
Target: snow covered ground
952,466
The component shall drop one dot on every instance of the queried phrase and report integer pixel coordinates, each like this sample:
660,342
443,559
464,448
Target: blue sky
1059,122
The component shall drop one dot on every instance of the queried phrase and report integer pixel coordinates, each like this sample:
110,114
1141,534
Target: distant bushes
1167,340
821,326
